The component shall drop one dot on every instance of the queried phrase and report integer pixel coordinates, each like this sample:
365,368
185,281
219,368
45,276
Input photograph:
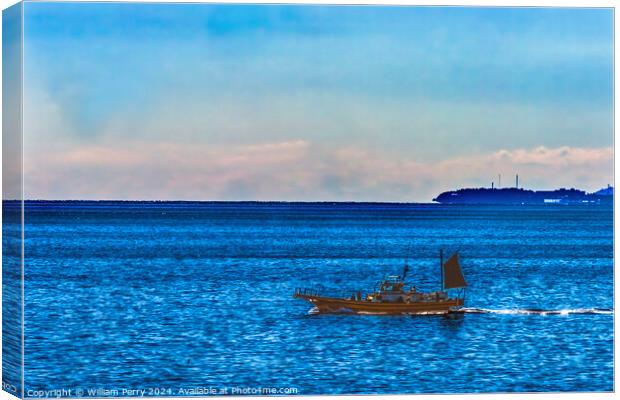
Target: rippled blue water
185,295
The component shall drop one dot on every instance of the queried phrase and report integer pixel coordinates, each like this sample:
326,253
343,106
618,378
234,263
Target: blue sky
236,102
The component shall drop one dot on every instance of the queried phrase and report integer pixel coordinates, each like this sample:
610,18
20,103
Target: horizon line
432,201
219,201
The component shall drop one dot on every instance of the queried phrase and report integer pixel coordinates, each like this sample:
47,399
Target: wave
536,311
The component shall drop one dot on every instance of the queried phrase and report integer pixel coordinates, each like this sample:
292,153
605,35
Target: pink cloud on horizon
296,170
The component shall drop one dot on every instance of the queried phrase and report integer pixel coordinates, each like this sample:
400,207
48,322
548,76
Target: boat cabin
392,290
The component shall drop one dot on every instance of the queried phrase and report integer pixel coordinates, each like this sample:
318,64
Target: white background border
595,3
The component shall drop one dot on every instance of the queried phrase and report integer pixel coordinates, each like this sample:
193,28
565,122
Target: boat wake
473,310
536,311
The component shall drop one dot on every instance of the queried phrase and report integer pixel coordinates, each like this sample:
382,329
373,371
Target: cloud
297,170
557,157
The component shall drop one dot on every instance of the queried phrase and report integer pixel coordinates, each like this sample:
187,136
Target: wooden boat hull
336,305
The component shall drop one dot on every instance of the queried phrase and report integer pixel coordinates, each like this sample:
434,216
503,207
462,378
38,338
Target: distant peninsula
515,195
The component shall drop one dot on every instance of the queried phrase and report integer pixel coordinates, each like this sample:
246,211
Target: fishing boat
392,296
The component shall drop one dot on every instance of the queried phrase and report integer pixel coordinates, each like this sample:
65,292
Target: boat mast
441,266
406,267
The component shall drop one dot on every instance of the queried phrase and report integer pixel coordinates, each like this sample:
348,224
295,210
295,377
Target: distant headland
516,195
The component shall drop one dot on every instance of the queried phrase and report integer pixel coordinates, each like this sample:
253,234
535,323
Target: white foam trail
473,310
535,311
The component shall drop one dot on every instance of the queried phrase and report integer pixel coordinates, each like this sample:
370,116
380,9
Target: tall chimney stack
517,181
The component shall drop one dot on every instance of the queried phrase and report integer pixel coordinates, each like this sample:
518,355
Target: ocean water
191,298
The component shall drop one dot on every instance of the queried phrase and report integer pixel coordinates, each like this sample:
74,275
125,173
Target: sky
326,103
11,104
